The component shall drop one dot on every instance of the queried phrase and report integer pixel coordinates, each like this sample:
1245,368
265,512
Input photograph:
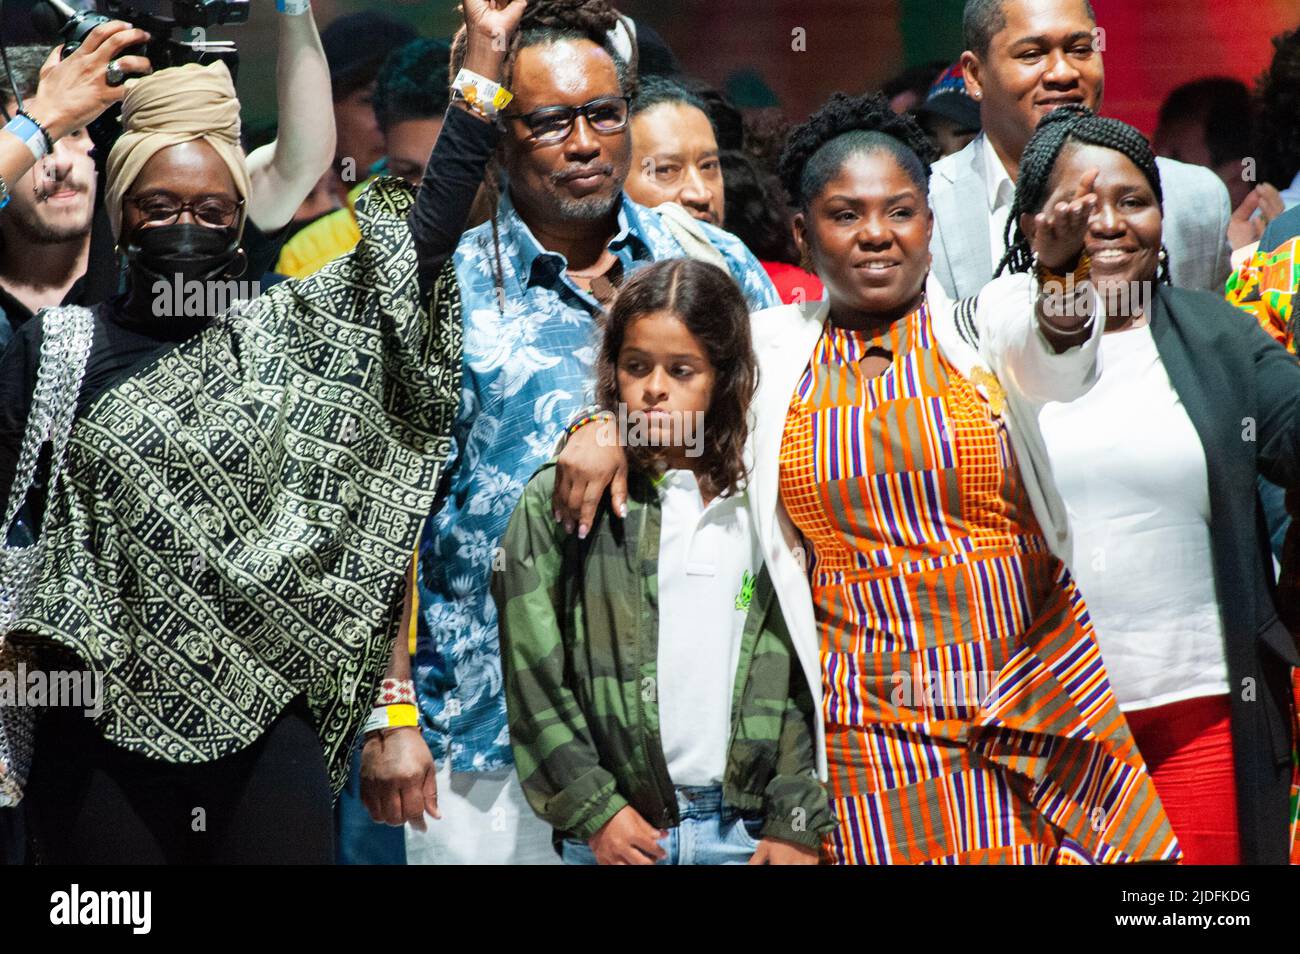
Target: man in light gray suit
1023,59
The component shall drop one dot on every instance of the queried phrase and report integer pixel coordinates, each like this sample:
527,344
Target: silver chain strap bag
65,348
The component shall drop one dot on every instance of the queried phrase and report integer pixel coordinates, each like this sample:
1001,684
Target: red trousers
1188,750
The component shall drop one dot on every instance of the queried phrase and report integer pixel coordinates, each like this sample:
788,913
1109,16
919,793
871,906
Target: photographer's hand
74,90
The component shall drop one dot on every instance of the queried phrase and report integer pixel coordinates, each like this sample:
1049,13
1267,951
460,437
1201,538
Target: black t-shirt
17,314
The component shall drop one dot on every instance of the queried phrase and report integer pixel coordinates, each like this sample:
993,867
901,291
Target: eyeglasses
163,209
554,123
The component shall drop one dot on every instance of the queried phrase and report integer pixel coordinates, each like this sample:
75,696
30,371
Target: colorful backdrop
806,49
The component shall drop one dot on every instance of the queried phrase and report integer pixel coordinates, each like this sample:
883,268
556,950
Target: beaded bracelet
395,692
1072,279
4,192
45,133
1078,275
586,419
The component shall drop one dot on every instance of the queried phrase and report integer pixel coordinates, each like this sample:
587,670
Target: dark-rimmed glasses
213,211
553,123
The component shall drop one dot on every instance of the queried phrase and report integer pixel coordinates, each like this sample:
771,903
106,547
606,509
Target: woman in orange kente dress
909,525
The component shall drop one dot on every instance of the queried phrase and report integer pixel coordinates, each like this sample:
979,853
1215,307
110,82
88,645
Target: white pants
485,821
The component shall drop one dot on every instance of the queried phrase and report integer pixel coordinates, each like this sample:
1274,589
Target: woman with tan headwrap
226,543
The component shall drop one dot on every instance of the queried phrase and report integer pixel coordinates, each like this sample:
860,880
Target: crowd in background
371,571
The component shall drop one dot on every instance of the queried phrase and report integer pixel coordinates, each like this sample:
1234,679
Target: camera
56,18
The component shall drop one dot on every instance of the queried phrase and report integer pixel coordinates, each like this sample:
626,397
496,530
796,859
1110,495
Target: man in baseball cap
948,115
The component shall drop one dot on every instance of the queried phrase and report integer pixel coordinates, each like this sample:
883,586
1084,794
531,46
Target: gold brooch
987,382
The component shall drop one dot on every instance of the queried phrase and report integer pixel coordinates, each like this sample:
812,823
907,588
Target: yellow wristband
392,717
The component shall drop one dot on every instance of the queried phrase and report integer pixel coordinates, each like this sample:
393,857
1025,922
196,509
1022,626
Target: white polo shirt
708,557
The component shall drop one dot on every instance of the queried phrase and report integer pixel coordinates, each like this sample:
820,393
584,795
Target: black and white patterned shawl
235,521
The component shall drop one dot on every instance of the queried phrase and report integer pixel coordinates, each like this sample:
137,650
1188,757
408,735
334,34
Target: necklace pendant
991,387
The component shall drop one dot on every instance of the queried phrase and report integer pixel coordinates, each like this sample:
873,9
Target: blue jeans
358,838
706,836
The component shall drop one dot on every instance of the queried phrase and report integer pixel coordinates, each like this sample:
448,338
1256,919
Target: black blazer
1242,392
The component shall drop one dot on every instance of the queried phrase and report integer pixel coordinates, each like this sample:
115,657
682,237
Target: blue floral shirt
528,368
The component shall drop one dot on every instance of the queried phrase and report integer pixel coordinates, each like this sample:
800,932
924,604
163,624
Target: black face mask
194,252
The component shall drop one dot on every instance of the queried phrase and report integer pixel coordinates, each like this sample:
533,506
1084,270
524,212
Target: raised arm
461,154
1047,328
284,171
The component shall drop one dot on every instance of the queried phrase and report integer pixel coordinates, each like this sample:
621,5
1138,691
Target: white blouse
1131,468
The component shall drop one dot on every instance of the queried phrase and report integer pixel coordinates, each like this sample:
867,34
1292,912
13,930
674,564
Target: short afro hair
413,83
1277,130
846,126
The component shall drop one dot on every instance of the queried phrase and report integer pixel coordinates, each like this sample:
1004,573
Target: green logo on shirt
746,593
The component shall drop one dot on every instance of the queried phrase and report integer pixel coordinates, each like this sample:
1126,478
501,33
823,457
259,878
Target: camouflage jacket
579,642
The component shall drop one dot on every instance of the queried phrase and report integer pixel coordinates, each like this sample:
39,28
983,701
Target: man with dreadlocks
1023,59
550,106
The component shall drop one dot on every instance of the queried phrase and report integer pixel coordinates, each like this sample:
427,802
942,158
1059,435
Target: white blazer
999,334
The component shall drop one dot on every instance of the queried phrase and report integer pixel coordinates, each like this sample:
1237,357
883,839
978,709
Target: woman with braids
898,490
1157,466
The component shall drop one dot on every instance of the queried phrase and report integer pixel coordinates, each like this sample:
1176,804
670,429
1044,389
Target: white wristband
1084,330
484,96
293,8
391,717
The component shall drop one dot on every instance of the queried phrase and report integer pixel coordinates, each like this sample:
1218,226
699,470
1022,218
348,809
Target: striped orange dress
969,718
